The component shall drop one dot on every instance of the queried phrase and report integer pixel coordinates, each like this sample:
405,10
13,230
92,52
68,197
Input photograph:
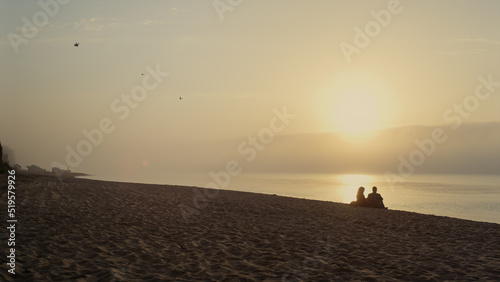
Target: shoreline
84,229
446,212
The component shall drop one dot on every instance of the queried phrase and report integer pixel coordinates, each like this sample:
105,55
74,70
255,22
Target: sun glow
356,113
354,105
356,179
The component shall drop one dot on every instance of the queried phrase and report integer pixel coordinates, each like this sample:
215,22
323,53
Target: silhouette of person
360,198
374,199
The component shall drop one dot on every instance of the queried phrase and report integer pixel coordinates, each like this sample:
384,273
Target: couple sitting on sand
374,199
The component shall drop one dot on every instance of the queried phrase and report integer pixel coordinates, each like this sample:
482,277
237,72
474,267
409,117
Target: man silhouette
375,200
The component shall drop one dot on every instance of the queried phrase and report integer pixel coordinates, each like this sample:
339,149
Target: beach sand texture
86,230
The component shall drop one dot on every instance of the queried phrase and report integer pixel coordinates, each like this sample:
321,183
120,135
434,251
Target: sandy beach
86,230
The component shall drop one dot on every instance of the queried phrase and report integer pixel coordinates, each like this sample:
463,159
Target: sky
288,86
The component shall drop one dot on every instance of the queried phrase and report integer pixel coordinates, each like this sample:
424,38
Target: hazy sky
335,66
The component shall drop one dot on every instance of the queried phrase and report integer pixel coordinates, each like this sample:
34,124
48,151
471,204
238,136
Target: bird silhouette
76,44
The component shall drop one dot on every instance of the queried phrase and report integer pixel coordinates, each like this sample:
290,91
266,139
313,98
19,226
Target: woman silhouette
360,198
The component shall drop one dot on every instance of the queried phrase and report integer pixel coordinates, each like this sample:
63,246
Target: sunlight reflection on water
468,197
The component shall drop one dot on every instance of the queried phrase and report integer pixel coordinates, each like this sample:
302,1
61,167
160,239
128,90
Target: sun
354,105
355,113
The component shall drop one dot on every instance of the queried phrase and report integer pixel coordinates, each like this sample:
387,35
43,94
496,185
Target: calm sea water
473,197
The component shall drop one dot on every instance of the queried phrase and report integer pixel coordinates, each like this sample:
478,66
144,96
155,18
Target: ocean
472,197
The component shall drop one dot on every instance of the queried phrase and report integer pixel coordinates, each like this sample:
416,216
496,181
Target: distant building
35,169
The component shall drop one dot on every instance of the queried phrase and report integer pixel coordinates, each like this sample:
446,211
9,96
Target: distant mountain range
470,149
